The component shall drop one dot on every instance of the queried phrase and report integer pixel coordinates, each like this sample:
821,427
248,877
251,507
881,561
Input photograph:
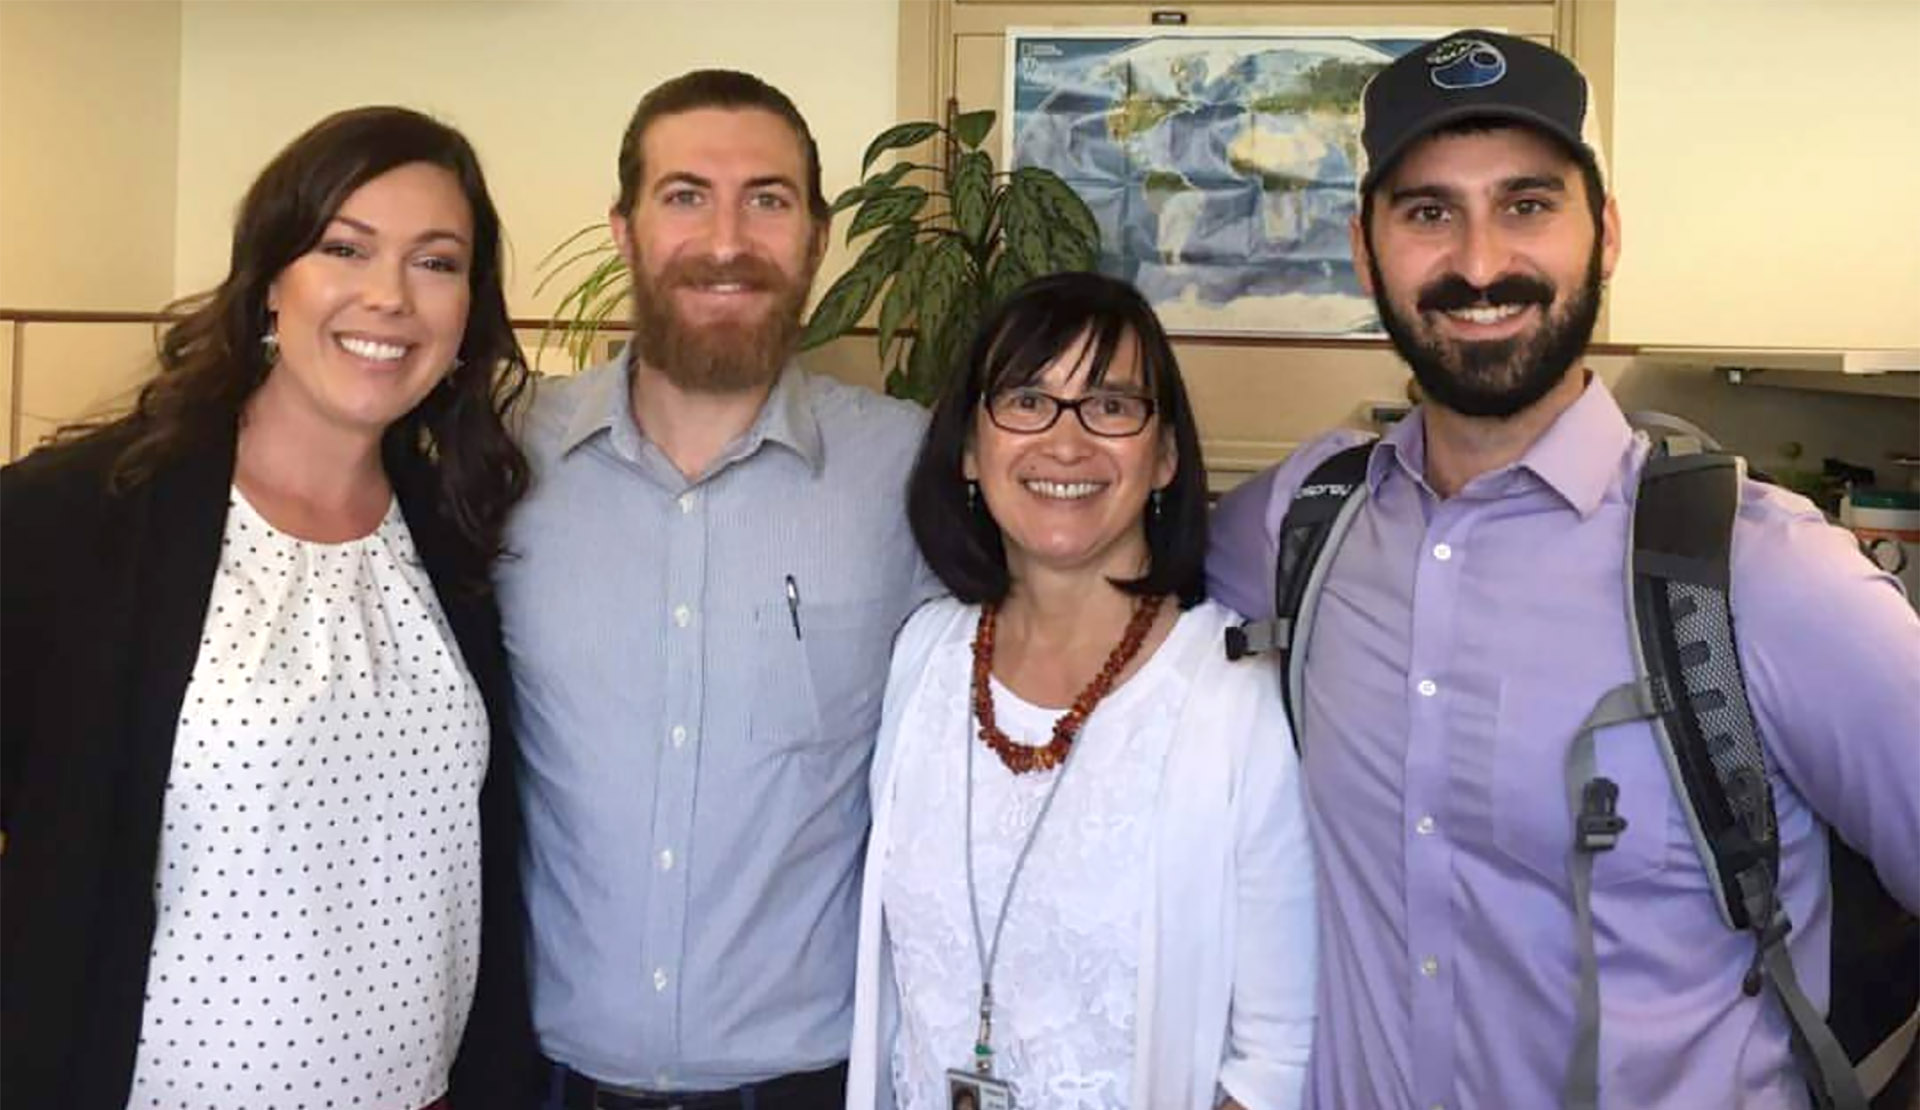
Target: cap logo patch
1466,64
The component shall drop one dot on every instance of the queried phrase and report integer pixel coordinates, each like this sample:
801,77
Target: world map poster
1220,163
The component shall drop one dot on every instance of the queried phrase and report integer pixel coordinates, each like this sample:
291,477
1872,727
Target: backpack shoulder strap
1683,638
1680,585
1316,521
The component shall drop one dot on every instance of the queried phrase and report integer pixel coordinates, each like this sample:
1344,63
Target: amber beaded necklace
1019,758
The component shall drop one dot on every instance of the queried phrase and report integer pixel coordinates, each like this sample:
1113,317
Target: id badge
969,1090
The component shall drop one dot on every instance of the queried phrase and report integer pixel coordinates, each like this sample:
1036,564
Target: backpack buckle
1258,637
1599,826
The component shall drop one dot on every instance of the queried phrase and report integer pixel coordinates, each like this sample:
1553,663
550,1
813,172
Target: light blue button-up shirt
698,666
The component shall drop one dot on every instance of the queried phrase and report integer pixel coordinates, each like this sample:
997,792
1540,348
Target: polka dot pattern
318,883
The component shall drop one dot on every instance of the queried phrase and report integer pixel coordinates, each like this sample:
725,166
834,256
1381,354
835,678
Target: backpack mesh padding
1710,671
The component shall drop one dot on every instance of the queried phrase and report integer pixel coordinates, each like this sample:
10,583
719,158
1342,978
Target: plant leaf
1056,203
849,298
943,284
939,355
972,194
901,295
846,301
971,127
588,304
597,225
893,205
945,312
891,177
562,267
850,196
1004,276
924,369
872,186
1073,252
1027,238
895,137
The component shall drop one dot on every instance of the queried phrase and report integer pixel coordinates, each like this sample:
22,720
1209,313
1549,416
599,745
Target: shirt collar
787,417
1404,447
601,405
1578,457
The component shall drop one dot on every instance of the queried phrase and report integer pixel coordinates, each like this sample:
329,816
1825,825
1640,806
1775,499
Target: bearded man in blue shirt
708,575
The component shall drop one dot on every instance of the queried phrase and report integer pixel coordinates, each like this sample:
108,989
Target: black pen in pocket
793,605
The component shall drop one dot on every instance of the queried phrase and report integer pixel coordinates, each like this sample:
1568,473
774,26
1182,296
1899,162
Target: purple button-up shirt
1459,643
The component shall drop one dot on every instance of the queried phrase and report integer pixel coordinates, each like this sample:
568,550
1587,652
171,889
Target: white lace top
318,883
1066,980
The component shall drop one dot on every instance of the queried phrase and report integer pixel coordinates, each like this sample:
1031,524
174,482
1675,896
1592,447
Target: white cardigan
1227,947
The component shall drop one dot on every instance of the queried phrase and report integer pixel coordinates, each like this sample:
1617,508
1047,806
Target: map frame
1299,287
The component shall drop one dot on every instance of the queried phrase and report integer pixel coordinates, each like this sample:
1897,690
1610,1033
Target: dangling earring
1154,503
270,345
973,496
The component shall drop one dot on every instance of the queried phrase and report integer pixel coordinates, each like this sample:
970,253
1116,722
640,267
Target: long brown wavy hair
212,359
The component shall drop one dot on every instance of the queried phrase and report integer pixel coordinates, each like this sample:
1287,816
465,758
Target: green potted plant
945,243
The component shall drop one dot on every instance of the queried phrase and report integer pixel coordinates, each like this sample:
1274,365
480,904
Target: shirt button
659,978
679,736
1424,826
1429,967
686,503
1427,687
682,615
666,859
1442,552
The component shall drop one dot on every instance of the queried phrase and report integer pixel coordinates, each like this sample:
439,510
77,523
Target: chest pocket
1531,821
824,686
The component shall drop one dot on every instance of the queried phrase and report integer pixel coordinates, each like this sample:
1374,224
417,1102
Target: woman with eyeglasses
1089,882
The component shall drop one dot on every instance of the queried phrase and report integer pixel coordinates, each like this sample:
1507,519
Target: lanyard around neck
990,952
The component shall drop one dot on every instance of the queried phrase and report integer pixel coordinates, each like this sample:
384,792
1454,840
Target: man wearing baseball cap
1475,611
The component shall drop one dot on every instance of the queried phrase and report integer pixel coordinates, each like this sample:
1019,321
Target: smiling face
371,318
1065,499
1485,265
721,246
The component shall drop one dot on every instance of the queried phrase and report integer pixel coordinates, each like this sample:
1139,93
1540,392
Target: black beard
717,359
1501,377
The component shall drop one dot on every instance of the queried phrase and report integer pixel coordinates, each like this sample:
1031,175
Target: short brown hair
714,88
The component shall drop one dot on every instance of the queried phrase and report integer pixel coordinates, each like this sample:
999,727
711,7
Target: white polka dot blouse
318,883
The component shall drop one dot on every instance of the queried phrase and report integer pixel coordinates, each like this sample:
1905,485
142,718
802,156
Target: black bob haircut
1013,346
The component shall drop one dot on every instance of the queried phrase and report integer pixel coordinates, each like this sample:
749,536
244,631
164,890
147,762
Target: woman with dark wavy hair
257,796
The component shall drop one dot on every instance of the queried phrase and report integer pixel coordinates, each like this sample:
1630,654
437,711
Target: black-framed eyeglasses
1029,411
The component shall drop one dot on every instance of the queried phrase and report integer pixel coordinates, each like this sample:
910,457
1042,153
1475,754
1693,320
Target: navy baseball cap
1475,75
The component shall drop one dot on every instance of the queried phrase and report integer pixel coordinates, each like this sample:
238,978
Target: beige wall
1767,160
88,109
88,104
143,122
542,87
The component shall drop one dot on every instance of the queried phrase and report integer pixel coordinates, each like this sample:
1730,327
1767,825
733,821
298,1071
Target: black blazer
102,599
